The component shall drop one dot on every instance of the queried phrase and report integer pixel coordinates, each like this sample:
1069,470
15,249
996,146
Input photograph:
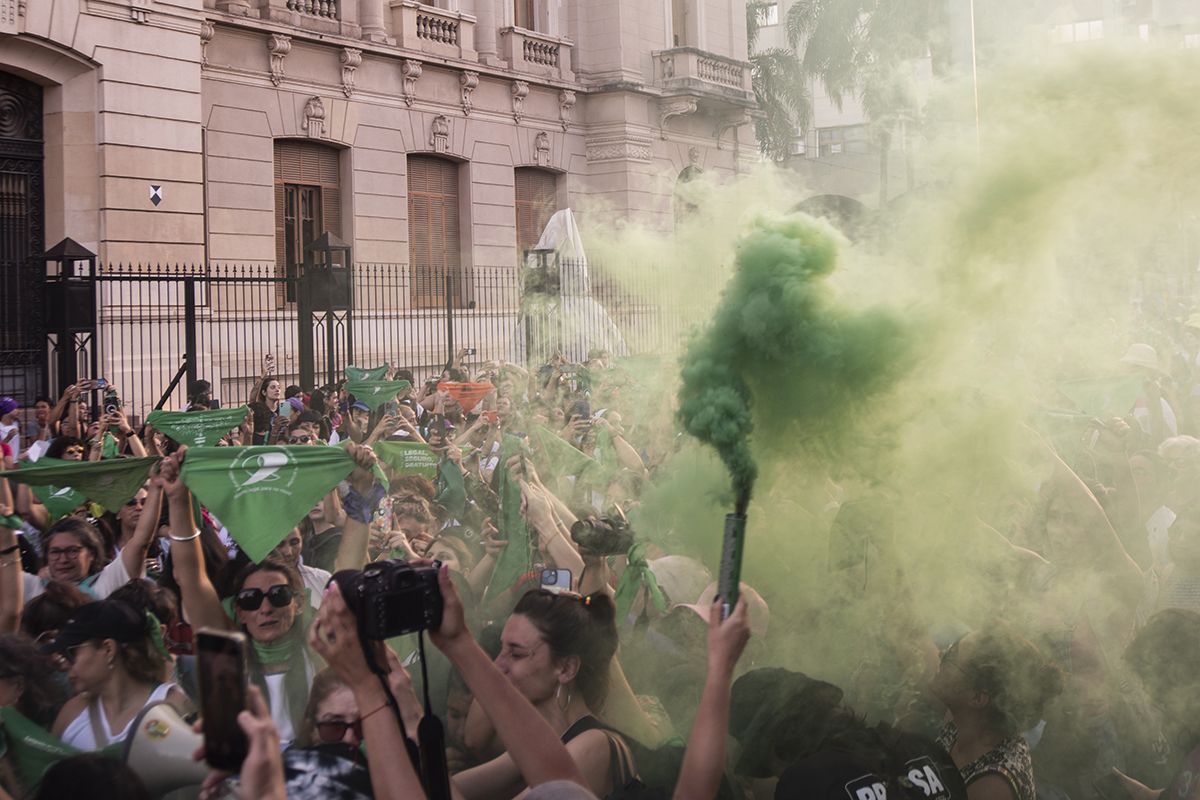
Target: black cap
107,619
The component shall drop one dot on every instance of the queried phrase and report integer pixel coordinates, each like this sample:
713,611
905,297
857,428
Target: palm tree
866,48
780,87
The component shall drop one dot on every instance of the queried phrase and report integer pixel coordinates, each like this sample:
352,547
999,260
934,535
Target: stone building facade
237,131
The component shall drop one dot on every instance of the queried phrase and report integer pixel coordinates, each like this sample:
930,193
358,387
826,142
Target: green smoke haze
779,340
895,401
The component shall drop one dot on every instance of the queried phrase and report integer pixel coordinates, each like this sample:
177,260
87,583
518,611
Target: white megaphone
159,749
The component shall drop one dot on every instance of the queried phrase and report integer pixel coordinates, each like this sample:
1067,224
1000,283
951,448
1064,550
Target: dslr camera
392,598
602,536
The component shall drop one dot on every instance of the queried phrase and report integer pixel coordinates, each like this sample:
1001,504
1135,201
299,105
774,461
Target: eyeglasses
334,730
72,652
302,439
251,599
64,552
135,501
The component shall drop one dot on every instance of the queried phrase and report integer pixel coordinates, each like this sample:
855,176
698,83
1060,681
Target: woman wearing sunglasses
117,666
267,605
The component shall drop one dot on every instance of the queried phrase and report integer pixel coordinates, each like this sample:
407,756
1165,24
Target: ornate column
370,17
486,27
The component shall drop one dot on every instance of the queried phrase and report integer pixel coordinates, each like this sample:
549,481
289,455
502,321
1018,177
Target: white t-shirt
107,581
15,442
315,580
277,699
79,734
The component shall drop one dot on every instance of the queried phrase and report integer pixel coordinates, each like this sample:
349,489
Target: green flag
1103,397
259,493
33,749
559,457
58,500
363,374
375,393
408,458
452,491
515,560
198,428
109,482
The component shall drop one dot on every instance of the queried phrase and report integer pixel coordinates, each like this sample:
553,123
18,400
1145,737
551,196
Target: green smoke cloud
779,339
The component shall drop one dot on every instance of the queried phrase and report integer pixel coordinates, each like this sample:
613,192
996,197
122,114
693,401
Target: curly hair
1017,678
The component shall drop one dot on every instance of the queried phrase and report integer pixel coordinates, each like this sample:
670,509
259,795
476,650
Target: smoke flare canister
731,562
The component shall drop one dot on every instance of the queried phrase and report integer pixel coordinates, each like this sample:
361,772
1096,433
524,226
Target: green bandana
559,457
12,522
1103,397
376,393
261,492
452,490
34,750
58,500
277,652
197,428
408,458
354,373
108,446
110,482
515,560
637,576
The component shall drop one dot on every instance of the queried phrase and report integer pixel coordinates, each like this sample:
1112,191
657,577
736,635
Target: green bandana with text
197,428
260,493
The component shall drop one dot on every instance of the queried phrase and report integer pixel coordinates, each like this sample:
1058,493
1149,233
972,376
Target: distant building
443,133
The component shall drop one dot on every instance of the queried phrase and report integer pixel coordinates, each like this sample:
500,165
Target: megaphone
159,749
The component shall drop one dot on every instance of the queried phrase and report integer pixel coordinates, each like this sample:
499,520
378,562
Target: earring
558,696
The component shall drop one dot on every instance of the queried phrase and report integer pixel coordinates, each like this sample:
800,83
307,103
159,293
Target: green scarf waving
260,493
108,482
354,373
376,393
198,428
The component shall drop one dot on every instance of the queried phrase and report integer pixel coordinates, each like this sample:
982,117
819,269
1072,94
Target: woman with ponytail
118,665
557,649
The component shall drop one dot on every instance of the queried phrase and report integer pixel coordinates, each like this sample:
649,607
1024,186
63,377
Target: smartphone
1110,787
556,580
730,577
99,383
221,663
214,404
469,351
112,403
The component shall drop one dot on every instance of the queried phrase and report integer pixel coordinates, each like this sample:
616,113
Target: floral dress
1010,759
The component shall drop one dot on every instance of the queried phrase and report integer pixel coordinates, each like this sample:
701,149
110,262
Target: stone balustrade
686,68
533,53
427,29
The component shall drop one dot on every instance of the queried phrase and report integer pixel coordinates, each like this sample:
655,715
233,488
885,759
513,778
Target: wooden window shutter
434,244
536,200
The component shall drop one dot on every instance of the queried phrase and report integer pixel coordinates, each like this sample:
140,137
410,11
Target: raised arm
528,738
334,637
133,555
201,605
704,760
359,506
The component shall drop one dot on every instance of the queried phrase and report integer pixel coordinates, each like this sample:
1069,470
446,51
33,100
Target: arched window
683,207
536,192
308,201
434,244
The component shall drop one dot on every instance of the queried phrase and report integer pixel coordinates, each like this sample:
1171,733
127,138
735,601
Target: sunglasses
137,501
303,439
334,730
71,653
251,599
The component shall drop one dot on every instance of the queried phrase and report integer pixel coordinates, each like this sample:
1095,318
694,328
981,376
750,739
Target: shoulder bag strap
97,729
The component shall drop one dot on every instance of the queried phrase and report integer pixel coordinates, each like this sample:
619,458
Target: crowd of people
573,657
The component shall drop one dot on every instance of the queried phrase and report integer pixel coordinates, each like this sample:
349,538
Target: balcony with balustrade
319,16
689,71
435,31
533,53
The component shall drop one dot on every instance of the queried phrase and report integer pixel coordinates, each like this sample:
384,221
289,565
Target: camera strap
435,773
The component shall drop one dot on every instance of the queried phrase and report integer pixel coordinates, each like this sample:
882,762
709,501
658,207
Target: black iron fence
157,327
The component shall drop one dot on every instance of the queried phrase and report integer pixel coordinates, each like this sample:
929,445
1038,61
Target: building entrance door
22,231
